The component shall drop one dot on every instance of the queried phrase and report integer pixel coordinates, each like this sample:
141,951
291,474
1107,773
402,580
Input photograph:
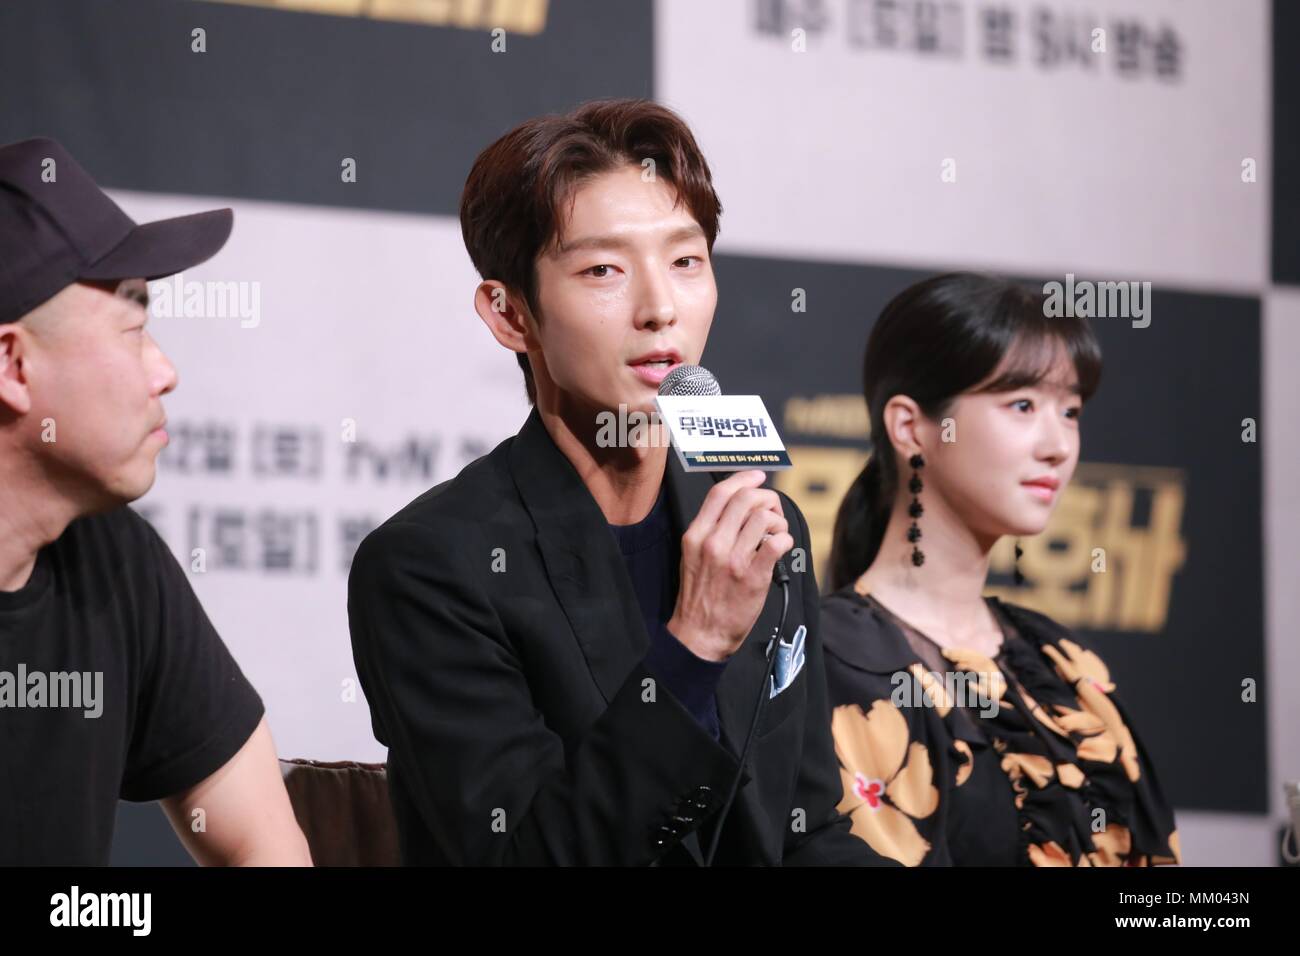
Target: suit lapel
581,557
590,579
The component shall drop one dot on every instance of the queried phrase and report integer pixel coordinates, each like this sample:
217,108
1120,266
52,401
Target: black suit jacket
500,645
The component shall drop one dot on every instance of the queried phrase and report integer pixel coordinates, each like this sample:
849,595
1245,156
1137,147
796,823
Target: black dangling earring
1020,578
915,509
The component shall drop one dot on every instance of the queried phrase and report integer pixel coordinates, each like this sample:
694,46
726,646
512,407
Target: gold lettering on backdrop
835,416
1098,510
818,481
1127,585
514,16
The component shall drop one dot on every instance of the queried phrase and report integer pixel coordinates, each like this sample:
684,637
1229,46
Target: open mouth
653,367
655,371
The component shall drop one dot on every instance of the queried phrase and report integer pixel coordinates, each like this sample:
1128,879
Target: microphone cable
779,576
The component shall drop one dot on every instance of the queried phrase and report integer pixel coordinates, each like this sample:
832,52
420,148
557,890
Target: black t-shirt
149,701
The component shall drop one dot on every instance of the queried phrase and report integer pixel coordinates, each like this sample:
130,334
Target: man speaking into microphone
563,647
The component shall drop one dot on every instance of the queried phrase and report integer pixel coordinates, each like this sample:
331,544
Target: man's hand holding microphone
728,553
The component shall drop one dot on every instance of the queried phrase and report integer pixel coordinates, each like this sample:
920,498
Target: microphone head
689,380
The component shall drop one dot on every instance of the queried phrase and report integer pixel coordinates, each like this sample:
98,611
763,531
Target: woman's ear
902,423
506,318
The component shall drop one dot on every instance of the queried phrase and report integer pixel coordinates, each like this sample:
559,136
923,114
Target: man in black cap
113,682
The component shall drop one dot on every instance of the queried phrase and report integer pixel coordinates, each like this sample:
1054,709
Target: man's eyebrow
618,242
138,294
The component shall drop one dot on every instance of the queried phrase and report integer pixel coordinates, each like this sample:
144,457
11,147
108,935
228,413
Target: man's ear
14,394
505,317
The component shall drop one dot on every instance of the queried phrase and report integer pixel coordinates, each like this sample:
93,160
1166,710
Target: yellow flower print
1112,845
1092,683
964,771
1018,766
991,683
888,784
1049,854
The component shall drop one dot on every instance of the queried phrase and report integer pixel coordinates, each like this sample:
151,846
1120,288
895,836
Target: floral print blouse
948,757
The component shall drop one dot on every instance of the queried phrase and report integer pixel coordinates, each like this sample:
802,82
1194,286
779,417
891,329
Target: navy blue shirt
652,552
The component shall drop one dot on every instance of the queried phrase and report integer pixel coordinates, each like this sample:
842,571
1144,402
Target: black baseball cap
58,226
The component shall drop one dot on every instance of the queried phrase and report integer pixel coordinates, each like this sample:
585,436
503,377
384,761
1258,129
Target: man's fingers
769,549
716,500
742,504
760,523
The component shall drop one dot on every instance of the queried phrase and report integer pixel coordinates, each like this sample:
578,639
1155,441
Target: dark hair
510,210
933,341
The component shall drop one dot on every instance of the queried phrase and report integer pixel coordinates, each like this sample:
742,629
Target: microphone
692,381
697,381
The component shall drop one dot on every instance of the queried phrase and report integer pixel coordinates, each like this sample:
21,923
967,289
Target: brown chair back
343,809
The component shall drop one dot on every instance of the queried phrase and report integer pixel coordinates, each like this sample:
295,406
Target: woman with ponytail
971,731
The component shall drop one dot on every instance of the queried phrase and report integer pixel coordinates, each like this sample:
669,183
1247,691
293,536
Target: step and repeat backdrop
332,366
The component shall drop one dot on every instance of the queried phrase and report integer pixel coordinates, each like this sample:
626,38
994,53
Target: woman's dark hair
513,203
934,341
